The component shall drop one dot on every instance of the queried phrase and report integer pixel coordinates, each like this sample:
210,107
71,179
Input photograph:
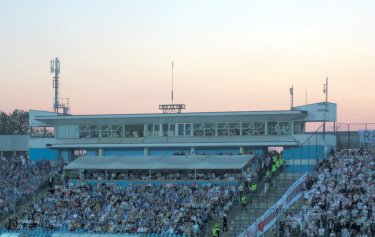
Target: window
172,129
198,129
247,128
299,127
209,129
106,131
222,129
153,130
42,132
259,128
272,128
284,128
94,131
181,130
84,131
134,130
165,130
234,129
117,131
188,129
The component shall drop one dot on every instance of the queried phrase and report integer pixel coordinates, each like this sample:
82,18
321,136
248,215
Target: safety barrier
265,222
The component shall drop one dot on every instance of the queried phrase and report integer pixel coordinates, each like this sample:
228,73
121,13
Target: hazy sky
228,55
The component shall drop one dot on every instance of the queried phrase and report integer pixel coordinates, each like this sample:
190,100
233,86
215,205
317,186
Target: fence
348,135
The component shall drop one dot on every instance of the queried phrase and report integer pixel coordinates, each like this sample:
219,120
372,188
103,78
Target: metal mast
55,69
291,92
172,108
172,82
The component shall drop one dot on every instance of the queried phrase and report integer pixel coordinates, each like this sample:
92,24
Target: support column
146,151
101,152
266,128
14,153
192,151
2,153
242,150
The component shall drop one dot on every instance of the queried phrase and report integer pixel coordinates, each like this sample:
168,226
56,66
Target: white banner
366,136
268,219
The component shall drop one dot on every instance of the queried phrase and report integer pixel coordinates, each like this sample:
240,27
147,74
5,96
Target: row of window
189,129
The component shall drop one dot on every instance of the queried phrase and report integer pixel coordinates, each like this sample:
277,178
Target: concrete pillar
101,152
146,151
14,153
266,128
2,154
192,151
242,150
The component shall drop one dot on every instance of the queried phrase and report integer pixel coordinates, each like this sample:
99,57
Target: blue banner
366,136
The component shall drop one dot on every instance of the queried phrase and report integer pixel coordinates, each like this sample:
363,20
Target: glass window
198,129
209,129
165,130
247,128
272,128
84,131
222,129
181,129
156,129
259,128
134,130
172,129
284,128
94,131
299,127
234,129
117,131
187,129
106,130
150,130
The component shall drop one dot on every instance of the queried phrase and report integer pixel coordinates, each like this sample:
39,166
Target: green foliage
15,123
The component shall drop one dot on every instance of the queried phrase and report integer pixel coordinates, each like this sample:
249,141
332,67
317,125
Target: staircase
239,221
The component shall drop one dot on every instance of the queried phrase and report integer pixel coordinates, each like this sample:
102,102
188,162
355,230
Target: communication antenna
55,69
172,108
59,103
291,92
172,82
305,96
325,89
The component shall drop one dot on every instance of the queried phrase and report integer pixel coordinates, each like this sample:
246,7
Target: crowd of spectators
112,208
19,178
339,199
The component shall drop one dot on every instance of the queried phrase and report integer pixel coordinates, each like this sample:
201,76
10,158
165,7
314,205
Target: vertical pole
316,146
308,156
14,201
348,136
195,174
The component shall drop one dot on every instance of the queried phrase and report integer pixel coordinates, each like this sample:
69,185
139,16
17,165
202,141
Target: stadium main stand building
56,136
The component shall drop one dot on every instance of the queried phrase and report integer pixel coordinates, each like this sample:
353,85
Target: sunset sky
228,55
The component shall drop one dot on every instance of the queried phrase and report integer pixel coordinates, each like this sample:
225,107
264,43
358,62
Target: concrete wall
14,142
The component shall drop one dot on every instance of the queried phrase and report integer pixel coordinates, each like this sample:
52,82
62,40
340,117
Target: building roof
280,115
159,162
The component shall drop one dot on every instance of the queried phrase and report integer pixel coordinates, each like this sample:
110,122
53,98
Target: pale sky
228,55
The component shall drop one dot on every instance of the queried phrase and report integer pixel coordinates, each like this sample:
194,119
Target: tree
15,123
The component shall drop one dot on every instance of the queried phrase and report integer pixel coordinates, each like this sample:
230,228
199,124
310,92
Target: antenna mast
291,92
172,82
172,108
55,69
325,90
57,104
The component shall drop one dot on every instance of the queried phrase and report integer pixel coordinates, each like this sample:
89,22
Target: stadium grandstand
184,174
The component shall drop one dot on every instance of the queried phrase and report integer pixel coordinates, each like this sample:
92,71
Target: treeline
14,123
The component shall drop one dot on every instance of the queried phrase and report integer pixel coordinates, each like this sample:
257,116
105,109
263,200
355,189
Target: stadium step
239,221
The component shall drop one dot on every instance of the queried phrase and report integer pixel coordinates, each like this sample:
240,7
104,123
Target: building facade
200,133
